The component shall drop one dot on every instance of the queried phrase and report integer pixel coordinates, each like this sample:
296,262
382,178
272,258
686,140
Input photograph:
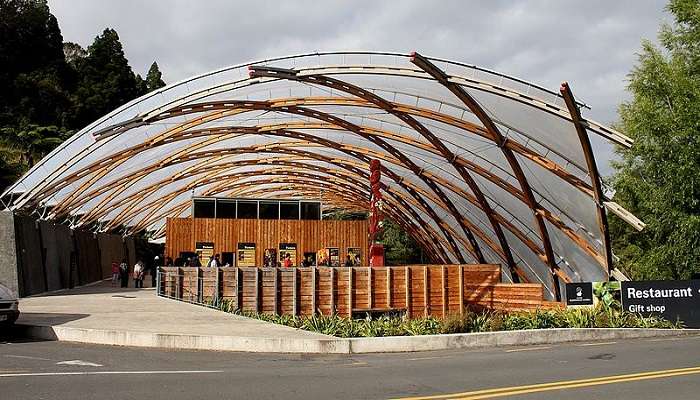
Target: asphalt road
56,370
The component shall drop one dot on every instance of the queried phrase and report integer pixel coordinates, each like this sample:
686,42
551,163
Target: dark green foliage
32,66
154,78
50,89
658,178
31,142
399,246
470,322
106,79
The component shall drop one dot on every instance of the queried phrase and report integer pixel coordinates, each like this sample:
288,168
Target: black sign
672,300
579,294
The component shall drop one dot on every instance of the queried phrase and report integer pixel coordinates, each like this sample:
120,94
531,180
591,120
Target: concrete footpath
101,314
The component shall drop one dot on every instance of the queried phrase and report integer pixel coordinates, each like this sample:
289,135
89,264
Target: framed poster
334,256
204,250
322,258
354,257
270,258
288,250
246,255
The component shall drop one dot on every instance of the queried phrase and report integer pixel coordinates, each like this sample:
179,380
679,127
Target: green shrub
579,318
602,316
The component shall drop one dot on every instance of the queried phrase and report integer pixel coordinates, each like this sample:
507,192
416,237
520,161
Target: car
9,306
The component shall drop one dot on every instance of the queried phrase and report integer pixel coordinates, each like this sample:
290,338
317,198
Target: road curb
340,345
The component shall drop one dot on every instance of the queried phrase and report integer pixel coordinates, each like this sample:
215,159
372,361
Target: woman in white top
138,275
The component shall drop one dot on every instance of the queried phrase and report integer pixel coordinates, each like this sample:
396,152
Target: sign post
672,300
579,294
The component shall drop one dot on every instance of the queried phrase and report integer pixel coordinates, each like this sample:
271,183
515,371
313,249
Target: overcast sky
590,44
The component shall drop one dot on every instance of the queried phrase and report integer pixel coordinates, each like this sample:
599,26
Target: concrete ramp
137,317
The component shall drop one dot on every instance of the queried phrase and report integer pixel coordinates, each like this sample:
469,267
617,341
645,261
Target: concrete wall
30,264
8,252
40,256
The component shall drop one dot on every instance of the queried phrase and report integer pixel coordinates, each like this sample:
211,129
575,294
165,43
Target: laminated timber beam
336,84
440,76
181,132
598,195
216,156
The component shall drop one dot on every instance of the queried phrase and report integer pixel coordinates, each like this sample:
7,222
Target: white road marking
107,373
594,344
356,364
529,349
28,357
80,363
426,358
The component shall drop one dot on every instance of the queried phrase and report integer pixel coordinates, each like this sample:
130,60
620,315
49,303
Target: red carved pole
376,251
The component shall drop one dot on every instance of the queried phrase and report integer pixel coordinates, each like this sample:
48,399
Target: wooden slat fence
417,290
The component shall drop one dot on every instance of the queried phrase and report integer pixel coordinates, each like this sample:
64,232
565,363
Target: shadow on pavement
16,334
99,288
45,319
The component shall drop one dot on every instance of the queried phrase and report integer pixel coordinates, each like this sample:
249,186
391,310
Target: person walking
138,274
157,263
194,261
115,274
288,261
213,262
124,273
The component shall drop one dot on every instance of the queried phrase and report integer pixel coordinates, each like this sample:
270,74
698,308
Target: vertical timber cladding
182,234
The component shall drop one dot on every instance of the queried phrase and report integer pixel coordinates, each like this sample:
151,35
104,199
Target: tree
107,80
74,54
141,85
399,246
154,78
49,88
658,179
32,142
34,99
32,65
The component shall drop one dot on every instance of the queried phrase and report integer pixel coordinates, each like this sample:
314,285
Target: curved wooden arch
201,168
593,172
439,75
357,130
570,233
109,162
467,126
346,87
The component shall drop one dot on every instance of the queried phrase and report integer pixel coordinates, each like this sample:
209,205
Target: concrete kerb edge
343,345
186,342
506,338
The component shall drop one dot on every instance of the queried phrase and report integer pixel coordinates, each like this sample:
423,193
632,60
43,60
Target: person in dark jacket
124,273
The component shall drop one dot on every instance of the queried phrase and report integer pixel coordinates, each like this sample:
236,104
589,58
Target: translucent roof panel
465,152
